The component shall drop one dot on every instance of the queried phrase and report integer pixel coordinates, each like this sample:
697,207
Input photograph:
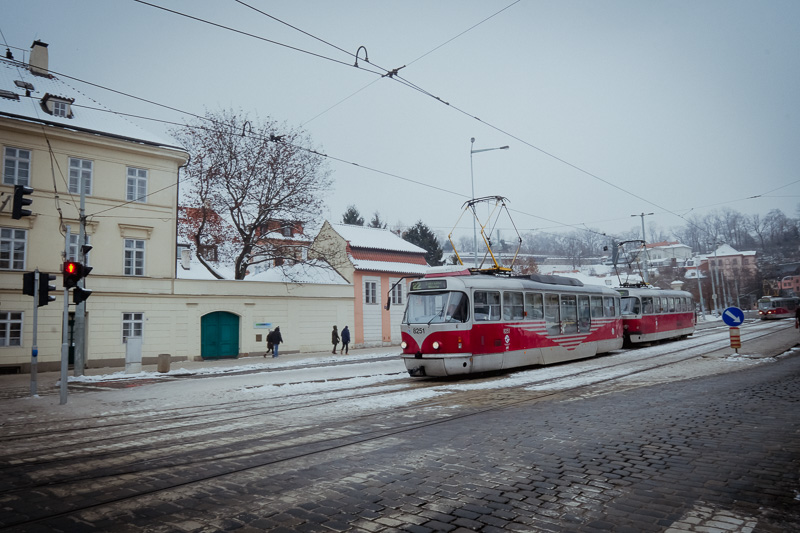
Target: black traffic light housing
73,272
44,288
20,201
29,285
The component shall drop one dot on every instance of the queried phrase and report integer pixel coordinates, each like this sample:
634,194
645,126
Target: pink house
374,260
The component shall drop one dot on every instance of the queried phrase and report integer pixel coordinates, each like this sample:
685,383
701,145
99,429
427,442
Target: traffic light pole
35,347
80,309
65,333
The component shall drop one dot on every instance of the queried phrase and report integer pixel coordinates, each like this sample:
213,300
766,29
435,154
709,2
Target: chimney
39,62
186,258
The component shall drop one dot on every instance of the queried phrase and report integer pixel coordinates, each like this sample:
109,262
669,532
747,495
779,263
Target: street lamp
472,179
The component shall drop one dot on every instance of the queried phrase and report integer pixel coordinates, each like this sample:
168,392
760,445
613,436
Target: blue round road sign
733,316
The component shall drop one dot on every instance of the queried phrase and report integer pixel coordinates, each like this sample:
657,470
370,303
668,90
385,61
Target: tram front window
630,306
436,308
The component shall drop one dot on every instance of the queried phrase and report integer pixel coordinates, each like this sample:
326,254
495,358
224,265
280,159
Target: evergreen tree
423,237
352,216
376,221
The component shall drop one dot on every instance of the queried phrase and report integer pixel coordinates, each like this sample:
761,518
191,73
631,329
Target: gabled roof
22,103
375,239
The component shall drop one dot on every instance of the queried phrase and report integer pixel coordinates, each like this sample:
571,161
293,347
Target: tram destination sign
733,316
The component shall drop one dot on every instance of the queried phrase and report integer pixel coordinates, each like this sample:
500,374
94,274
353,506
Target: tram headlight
404,345
436,345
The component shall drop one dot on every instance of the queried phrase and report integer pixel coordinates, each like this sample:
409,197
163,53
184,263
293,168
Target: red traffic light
73,272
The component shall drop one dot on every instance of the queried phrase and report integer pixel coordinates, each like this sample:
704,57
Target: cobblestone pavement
715,454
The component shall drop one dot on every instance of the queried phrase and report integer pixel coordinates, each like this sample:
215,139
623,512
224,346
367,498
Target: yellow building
51,136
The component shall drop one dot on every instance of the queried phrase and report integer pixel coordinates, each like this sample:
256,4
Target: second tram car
774,307
650,315
463,322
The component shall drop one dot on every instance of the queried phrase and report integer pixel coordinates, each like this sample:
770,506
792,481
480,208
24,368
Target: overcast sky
610,108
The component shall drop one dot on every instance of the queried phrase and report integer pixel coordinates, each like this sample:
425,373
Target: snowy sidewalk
19,385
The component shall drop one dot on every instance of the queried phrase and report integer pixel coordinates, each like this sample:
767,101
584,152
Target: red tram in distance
775,307
464,322
650,315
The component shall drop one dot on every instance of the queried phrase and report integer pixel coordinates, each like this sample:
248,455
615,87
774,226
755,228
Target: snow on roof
310,272
725,250
388,266
87,115
377,238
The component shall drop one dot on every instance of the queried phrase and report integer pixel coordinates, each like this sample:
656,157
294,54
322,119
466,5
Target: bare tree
257,178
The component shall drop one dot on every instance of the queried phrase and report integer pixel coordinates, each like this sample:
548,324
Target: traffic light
28,283
80,295
20,200
44,288
73,272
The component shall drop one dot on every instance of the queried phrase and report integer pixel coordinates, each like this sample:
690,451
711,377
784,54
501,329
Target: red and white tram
464,322
650,315
774,307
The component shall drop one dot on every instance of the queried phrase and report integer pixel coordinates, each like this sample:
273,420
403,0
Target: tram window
487,305
569,313
457,308
630,306
671,305
584,316
597,307
609,306
533,306
551,314
647,305
512,306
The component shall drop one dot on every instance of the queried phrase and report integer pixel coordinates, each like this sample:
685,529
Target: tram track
265,449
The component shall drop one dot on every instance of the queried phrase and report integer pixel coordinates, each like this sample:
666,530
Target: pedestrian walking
796,318
334,338
273,340
345,340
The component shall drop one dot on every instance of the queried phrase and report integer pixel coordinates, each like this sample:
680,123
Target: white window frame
370,292
136,185
16,166
60,108
132,323
134,257
9,333
72,254
11,256
78,166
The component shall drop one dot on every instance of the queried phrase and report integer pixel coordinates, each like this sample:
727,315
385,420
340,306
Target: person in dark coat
274,338
345,340
334,339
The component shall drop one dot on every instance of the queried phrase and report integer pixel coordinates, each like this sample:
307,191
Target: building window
137,185
370,292
16,166
80,168
134,257
12,248
10,328
207,251
132,325
72,254
60,109
397,294
286,229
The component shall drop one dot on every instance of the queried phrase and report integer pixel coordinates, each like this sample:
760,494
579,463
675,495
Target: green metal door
219,335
